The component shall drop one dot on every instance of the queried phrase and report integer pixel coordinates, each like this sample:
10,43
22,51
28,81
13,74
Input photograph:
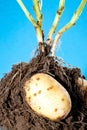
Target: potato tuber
47,97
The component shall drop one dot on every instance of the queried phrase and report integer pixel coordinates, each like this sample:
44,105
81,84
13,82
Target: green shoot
68,25
38,12
37,26
56,20
38,23
28,15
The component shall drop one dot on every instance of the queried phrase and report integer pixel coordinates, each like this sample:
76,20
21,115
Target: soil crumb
15,114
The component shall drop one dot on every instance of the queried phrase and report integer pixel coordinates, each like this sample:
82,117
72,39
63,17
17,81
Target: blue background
18,39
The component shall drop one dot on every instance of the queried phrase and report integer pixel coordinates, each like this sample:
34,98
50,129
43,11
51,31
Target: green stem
37,27
56,20
40,37
28,15
69,25
38,12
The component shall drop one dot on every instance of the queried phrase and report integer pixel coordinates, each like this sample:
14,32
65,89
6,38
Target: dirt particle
59,118
35,94
55,109
28,89
29,98
28,82
50,88
37,78
59,12
39,92
39,107
63,99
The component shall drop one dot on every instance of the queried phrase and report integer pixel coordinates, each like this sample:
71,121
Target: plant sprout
70,24
38,23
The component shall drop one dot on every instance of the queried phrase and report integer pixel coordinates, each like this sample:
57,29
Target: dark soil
15,114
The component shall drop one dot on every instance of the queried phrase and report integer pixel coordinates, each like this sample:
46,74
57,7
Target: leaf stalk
68,25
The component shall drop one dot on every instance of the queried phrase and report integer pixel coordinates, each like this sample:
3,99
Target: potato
82,83
47,97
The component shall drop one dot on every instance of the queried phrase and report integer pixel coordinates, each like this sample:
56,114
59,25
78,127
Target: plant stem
68,25
38,12
28,15
56,20
40,37
37,27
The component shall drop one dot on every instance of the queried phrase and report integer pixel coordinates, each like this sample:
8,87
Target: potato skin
82,84
47,97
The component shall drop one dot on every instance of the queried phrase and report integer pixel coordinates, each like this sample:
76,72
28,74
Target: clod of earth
16,114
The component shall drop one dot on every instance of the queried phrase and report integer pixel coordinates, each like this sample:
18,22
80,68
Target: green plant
38,23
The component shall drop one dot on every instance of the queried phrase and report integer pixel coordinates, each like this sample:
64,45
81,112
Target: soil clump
15,114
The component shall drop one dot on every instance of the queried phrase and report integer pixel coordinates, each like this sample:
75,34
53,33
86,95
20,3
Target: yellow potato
82,84
47,97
